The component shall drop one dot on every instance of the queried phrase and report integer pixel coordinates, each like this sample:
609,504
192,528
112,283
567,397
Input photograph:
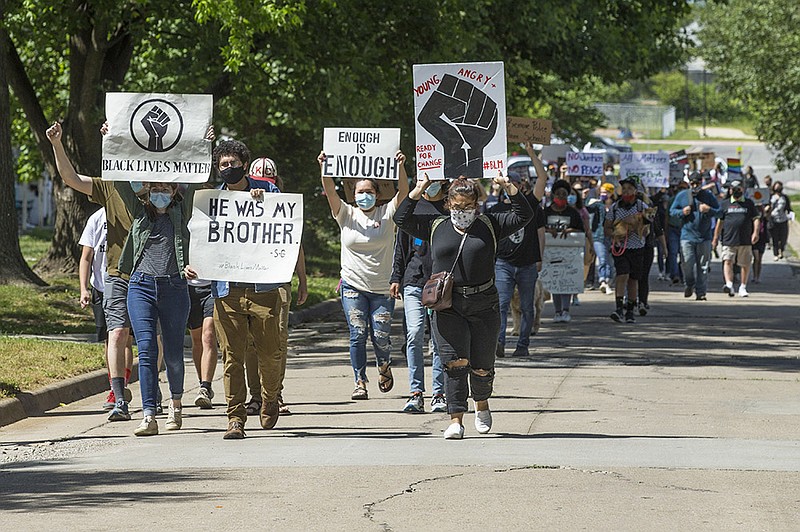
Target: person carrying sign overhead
367,239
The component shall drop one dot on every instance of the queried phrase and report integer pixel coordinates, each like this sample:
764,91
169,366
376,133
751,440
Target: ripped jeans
367,313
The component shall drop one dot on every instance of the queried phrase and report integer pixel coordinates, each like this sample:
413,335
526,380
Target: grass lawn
669,148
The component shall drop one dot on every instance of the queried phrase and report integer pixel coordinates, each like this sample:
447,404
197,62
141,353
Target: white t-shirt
367,246
94,236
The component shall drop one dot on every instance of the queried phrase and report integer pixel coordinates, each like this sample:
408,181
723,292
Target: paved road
688,420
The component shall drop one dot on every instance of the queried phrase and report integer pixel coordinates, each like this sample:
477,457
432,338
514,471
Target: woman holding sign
467,332
367,241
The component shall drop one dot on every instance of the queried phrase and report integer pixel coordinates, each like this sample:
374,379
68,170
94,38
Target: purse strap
460,247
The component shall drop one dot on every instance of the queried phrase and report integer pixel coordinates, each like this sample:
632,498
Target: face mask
365,200
160,200
463,219
433,189
629,198
778,190
737,193
603,197
232,174
137,186
571,199
560,202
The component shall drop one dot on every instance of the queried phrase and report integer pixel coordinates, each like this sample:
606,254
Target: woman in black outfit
467,332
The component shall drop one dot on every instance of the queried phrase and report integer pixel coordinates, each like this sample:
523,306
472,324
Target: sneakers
415,404
629,317
558,318
521,352
269,414
500,350
174,418
111,401
688,291
159,409
603,286
609,290
438,403
235,431
575,301
565,317
701,297
618,315
204,397
454,432
483,421
743,291
728,290
283,408
148,427
643,308
119,412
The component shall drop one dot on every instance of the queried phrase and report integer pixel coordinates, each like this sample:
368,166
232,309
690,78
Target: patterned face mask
463,219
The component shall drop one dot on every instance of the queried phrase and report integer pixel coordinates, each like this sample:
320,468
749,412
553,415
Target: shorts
99,315
741,255
631,262
202,305
115,303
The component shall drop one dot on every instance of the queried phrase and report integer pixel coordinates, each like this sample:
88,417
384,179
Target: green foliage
670,89
759,62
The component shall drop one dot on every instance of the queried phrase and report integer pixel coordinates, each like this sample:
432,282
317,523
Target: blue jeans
524,277
152,300
696,263
367,313
603,251
673,248
416,315
561,302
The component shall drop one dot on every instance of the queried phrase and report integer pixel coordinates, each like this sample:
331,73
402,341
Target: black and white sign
361,153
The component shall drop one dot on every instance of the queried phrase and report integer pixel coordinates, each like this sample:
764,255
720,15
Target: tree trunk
13,267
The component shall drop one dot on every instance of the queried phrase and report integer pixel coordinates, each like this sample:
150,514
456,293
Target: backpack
482,217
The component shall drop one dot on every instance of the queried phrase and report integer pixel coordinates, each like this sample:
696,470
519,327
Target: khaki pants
251,363
238,316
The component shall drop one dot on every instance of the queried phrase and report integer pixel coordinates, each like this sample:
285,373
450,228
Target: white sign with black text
361,153
651,169
562,264
584,164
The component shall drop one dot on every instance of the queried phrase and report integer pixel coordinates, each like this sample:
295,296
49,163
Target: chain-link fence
647,121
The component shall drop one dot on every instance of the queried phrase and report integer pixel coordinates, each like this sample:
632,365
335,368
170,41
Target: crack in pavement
550,399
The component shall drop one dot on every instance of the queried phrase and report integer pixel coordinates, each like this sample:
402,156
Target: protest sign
562,264
677,163
532,130
759,195
586,164
460,110
237,238
361,153
157,137
651,169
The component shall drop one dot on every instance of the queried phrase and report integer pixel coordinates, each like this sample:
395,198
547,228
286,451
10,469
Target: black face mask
232,174
737,193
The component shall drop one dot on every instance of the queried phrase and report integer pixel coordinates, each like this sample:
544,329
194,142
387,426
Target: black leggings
469,330
644,279
780,234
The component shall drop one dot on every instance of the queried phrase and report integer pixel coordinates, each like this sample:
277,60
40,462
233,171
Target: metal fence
648,121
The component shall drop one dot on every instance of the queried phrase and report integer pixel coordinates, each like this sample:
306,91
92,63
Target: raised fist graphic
464,119
155,123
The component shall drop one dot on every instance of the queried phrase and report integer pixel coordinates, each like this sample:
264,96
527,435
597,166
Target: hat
628,180
263,169
515,177
736,183
608,188
695,177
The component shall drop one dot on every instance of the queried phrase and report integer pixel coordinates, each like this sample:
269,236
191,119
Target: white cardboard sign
651,169
562,264
361,153
584,164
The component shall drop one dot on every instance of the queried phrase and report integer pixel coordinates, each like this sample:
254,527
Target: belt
469,290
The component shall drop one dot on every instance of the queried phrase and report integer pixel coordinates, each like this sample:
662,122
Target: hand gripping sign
237,238
157,137
460,111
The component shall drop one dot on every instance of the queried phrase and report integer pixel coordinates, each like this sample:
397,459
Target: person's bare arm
717,232
302,281
329,187
541,173
84,270
73,179
402,186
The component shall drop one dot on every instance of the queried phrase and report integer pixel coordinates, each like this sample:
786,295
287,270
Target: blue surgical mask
365,200
137,186
571,199
433,189
160,200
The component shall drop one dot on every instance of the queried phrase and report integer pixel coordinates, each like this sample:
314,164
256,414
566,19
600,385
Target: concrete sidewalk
687,420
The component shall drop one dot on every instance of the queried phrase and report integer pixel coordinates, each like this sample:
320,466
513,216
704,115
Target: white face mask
463,219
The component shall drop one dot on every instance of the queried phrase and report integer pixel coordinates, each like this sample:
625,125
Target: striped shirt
618,212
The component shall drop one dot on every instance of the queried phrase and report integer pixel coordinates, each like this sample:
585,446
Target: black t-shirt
568,218
522,247
412,257
737,217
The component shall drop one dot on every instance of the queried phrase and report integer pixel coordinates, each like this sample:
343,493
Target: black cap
736,183
695,177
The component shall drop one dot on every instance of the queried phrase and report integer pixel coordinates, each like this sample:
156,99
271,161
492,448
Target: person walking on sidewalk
738,229
466,244
367,244
779,208
696,209
412,267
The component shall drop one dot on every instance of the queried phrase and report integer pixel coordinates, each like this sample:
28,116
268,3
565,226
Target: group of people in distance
491,242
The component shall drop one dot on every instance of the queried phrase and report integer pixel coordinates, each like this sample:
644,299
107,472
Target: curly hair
231,147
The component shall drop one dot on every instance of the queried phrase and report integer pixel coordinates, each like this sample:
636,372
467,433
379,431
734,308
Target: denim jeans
154,300
696,263
416,316
603,251
661,255
561,302
367,313
673,248
524,277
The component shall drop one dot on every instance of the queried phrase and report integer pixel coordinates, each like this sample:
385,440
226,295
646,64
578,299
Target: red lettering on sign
427,85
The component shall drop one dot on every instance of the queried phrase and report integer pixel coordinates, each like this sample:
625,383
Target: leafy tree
753,49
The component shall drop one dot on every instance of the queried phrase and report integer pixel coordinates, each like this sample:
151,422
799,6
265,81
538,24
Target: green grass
52,309
319,289
27,363
656,147
685,134
34,244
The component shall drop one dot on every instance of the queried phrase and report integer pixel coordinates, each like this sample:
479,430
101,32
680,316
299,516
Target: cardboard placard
533,130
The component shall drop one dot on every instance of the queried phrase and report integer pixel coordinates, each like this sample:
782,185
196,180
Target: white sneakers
148,427
483,421
454,432
174,419
562,317
743,291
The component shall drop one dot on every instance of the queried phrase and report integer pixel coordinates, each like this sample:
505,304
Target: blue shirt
697,226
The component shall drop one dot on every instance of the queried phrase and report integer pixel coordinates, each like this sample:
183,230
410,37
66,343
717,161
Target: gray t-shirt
158,257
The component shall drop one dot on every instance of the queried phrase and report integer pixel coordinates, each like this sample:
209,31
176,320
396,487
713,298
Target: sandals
385,379
254,406
360,393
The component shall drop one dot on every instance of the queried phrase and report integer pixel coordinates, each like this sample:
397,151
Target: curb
35,403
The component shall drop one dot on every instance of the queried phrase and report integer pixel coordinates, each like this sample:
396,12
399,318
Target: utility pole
705,102
686,101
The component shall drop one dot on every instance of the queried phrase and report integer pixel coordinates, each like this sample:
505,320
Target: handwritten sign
531,130
361,153
677,162
584,164
460,109
651,169
236,238
562,264
157,137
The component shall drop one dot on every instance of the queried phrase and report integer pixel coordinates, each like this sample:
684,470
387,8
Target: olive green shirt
118,221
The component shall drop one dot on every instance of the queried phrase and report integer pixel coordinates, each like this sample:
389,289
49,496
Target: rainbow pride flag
734,167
